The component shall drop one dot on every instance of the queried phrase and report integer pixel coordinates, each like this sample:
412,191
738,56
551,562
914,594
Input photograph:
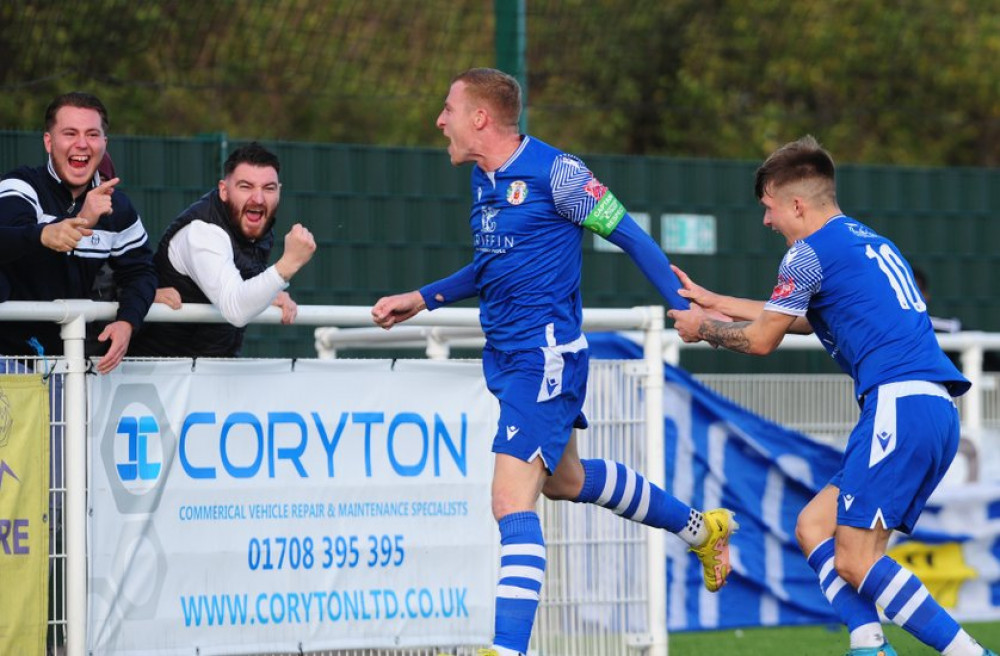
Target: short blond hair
497,89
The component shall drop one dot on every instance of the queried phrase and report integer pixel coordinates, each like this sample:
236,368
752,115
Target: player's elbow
763,346
762,349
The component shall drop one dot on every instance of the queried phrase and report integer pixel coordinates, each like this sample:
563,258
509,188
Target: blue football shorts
897,454
541,393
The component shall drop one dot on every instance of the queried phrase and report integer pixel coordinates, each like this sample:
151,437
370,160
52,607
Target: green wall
390,219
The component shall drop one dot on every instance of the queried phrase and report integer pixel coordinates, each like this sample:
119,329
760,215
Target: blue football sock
850,607
906,602
627,493
522,570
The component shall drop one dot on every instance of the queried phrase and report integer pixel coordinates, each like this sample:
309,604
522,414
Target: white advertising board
244,506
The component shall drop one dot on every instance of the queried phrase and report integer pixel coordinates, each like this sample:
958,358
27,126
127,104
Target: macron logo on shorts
511,432
552,384
884,439
883,443
848,501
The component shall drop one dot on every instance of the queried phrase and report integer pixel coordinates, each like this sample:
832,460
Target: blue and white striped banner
720,454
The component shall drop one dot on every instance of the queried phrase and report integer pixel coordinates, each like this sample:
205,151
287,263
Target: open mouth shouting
254,220
79,162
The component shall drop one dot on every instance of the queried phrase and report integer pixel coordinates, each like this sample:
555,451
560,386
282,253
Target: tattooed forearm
727,334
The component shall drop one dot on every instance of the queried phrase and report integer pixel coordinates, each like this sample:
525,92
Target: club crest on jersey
489,219
517,192
595,189
783,289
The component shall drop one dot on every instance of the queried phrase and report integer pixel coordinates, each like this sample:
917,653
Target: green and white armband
604,218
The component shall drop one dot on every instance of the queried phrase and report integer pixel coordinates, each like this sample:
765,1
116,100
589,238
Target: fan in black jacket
59,223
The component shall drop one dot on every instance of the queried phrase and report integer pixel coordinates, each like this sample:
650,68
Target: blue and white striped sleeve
799,277
21,219
581,198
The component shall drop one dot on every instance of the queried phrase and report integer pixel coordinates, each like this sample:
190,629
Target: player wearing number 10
852,288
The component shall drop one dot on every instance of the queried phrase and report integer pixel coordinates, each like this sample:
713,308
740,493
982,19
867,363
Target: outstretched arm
456,287
739,309
581,198
652,261
390,310
758,337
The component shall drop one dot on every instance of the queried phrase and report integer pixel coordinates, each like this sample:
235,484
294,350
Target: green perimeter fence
389,219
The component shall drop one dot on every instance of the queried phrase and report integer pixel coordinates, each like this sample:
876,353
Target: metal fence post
73,332
656,473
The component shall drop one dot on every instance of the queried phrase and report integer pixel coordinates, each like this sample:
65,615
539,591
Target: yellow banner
24,513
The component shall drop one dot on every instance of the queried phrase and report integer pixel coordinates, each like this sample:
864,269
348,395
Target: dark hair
796,161
252,153
499,90
76,99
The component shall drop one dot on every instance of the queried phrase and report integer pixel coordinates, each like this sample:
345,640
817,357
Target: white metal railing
343,327
73,316
437,342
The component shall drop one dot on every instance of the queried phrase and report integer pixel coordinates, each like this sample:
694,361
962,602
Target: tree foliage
904,82
881,81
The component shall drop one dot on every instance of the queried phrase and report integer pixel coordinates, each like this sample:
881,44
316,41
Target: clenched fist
299,248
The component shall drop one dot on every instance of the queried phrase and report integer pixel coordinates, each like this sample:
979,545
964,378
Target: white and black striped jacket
30,199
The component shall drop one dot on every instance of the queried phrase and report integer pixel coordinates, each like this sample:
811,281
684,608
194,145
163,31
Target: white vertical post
75,504
324,352
972,368
656,555
437,345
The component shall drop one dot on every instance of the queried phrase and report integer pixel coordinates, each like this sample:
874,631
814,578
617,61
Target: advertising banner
24,514
242,507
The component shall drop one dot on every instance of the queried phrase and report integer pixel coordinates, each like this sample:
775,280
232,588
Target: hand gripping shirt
527,220
858,294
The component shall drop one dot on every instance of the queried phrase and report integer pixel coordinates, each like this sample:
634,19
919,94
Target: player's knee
562,488
557,493
500,508
504,505
811,531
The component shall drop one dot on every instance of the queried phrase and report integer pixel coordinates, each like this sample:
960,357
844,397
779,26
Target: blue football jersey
527,221
858,293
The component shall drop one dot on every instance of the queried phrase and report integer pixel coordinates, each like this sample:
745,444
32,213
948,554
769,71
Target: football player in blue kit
856,292
531,205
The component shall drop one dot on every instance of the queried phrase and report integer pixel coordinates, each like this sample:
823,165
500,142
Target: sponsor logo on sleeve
783,289
595,189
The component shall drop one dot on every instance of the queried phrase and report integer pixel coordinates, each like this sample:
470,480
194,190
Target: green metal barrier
390,219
